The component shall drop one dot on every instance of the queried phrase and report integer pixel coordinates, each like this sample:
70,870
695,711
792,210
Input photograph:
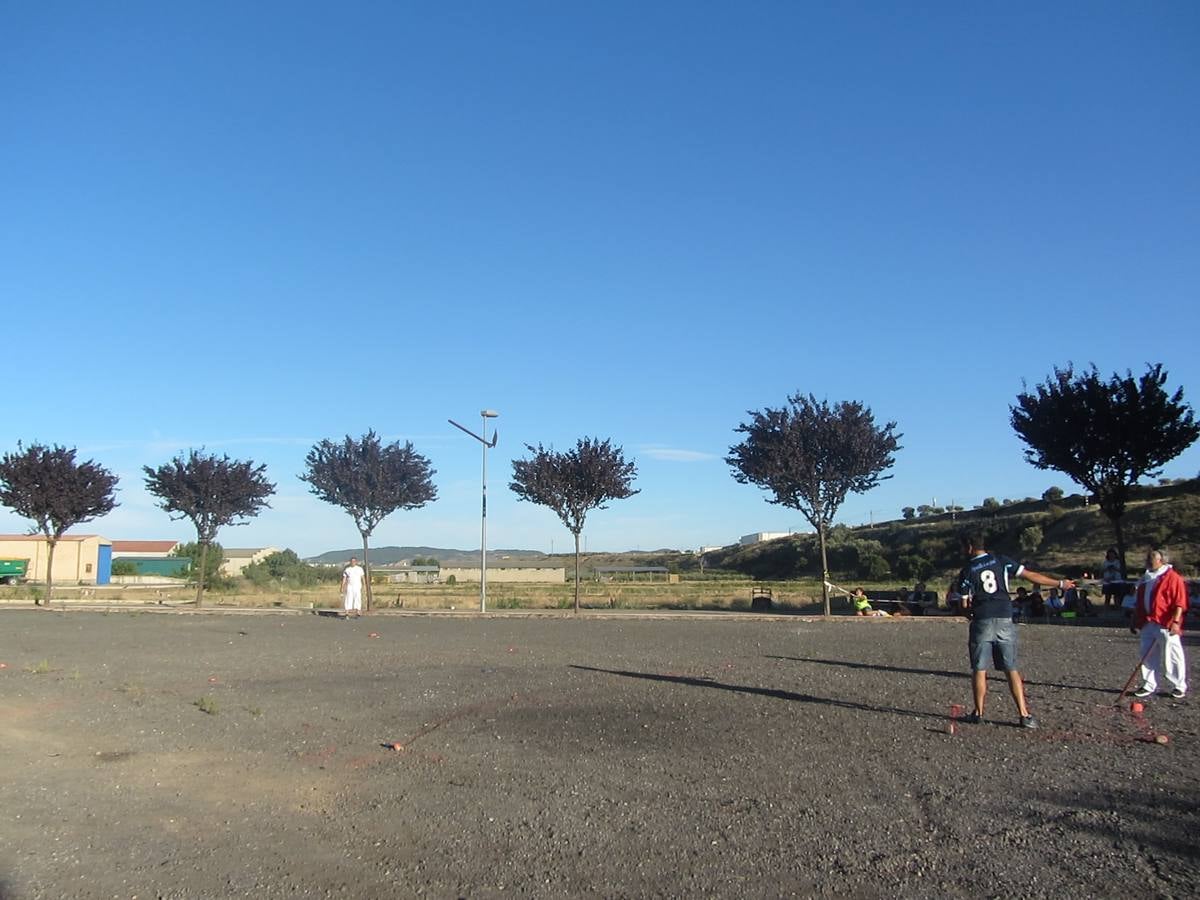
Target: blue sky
249,227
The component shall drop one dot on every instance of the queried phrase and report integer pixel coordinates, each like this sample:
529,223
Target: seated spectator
1021,605
862,606
1084,604
1056,603
1037,606
916,600
954,602
1076,600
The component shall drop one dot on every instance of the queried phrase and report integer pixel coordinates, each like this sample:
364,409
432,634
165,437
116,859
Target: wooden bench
760,599
889,601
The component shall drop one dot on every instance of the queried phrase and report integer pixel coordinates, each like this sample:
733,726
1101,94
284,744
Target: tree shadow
773,693
1136,816
940,673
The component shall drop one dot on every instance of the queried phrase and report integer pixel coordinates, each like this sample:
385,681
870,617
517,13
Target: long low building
143,549
506,574
78,558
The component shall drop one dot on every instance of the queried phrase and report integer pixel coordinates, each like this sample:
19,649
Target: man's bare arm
1063,584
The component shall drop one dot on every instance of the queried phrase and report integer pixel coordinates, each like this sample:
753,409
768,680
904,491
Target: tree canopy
808,456
574,482
46,485
211,492
1104,434
369,480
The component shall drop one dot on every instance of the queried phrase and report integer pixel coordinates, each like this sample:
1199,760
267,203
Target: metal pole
486,414
483,531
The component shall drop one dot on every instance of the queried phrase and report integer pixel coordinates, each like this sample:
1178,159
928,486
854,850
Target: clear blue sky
248,227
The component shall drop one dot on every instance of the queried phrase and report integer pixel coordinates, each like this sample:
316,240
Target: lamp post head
489,413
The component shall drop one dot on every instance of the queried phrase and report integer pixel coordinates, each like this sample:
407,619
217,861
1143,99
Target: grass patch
40,668
133,690
207,705
254,711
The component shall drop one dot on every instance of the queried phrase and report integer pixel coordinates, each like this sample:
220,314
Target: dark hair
969,539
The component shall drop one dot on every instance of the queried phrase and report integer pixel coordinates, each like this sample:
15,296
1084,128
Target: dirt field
212,755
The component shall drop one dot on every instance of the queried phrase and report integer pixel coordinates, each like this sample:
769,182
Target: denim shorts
995,637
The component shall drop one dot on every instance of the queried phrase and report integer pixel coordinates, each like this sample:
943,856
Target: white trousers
1166,659
352,601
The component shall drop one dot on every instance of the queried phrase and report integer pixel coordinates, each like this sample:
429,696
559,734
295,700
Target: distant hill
1068,536
383,556
1073,538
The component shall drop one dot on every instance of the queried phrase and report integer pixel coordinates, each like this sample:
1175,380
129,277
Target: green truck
13,570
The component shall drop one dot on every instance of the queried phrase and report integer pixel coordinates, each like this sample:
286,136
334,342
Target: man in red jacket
1161,603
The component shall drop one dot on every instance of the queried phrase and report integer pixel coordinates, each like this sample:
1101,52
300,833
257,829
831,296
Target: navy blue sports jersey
985,580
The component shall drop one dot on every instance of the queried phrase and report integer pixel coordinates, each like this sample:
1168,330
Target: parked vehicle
13,570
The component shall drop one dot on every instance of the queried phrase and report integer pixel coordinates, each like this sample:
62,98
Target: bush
1030,539
914,567
873,568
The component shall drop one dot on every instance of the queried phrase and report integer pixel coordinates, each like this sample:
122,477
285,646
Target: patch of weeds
508,603
207,705
566,602
75,676
40,668
254,711
136,692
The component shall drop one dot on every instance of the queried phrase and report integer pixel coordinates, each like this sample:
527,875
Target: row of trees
365,477
1105,434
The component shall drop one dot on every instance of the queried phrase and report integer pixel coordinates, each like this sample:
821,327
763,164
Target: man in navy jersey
984,580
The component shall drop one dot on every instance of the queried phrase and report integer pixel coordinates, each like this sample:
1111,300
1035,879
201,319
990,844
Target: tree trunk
367,604
200,575
577,573
824,569
53,541
1120,534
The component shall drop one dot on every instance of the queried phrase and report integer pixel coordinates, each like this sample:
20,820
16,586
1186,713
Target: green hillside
1068,536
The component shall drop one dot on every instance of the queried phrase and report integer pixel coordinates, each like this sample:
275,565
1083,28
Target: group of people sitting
906,603
1026,604
1032,605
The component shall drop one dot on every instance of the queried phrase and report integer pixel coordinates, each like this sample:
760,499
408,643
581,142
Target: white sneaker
1143,692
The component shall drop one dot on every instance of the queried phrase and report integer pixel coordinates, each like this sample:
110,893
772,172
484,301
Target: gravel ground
196,755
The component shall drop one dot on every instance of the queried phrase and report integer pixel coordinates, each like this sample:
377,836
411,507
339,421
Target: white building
236,560
759,536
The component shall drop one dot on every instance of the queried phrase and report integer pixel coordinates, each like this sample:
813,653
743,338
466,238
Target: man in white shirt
353,577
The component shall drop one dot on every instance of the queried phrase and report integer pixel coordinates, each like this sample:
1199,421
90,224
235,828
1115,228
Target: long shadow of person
940,673
773,693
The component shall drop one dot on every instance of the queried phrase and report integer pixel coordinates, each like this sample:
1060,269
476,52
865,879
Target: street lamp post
485,414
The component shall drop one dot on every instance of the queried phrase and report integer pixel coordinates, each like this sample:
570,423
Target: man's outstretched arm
1063,584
